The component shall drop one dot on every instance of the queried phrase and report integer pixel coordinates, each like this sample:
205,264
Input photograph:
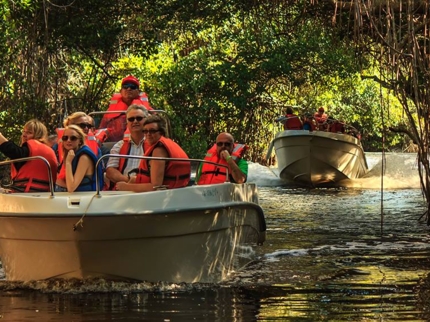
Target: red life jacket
101,136
337,127
116,122
33,175
293,122
321,121
211,173
125,149
176,174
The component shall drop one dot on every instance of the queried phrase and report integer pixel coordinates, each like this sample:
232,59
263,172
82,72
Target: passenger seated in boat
292,121
224,152
309,123
155,173
321,118
335,126
83,121
122,169
79,163
130,94
30,176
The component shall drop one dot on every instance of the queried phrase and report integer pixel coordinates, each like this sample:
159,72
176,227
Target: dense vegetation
214,66
223,65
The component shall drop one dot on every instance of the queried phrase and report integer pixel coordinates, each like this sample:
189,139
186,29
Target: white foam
399,171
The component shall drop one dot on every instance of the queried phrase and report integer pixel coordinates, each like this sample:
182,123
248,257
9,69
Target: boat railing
124,112
98,164
51,181
102,113
126,156
98,115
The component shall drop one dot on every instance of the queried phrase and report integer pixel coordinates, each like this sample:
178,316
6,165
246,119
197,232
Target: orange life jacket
337,127
125,149
101,136
211,173
176,174
292,123
33,175
116,122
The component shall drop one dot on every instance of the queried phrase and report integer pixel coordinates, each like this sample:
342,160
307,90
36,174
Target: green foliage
213,66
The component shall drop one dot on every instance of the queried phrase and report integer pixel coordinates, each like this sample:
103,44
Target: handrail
123,112
51,181
126,156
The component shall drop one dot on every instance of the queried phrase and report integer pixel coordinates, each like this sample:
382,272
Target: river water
355,254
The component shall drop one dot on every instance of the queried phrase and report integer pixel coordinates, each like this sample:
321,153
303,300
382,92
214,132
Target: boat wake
397,171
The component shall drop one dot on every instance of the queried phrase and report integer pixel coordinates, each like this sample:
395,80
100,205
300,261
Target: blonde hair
81,136
40,132
73,117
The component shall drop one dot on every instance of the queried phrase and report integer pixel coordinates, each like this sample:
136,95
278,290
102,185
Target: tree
396,34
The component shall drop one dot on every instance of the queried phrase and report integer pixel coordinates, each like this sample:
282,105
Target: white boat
190,234
317,158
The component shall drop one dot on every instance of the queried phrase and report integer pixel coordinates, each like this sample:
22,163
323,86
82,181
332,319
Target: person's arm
157,174
112,172
234,170
13,151
243,166
2,139
84,165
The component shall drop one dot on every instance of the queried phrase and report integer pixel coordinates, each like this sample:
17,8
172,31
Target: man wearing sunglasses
227,153
129,94
121,169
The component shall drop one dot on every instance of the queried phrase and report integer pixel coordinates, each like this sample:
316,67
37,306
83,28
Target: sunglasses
129,86
137,118
72,138
150,131
226,144
84,125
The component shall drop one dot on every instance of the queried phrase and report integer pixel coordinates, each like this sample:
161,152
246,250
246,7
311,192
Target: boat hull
318,159
192,234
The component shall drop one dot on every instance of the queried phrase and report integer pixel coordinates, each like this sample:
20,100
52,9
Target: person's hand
224,154
120,186
70,156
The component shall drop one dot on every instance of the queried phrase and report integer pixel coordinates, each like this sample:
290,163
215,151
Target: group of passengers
74,150
319,121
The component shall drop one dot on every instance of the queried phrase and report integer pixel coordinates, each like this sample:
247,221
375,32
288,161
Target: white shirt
135,149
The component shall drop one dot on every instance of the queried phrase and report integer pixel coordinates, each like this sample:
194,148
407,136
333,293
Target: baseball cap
130,79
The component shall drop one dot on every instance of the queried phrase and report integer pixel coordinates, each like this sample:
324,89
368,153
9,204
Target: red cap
130,79
321,109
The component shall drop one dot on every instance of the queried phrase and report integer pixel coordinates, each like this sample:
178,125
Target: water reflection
330,255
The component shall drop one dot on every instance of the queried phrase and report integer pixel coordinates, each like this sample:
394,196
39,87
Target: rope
80,222
383,159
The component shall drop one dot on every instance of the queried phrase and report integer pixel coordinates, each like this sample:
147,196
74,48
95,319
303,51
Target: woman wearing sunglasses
30,176
79,163
155,173
81,120
224,152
